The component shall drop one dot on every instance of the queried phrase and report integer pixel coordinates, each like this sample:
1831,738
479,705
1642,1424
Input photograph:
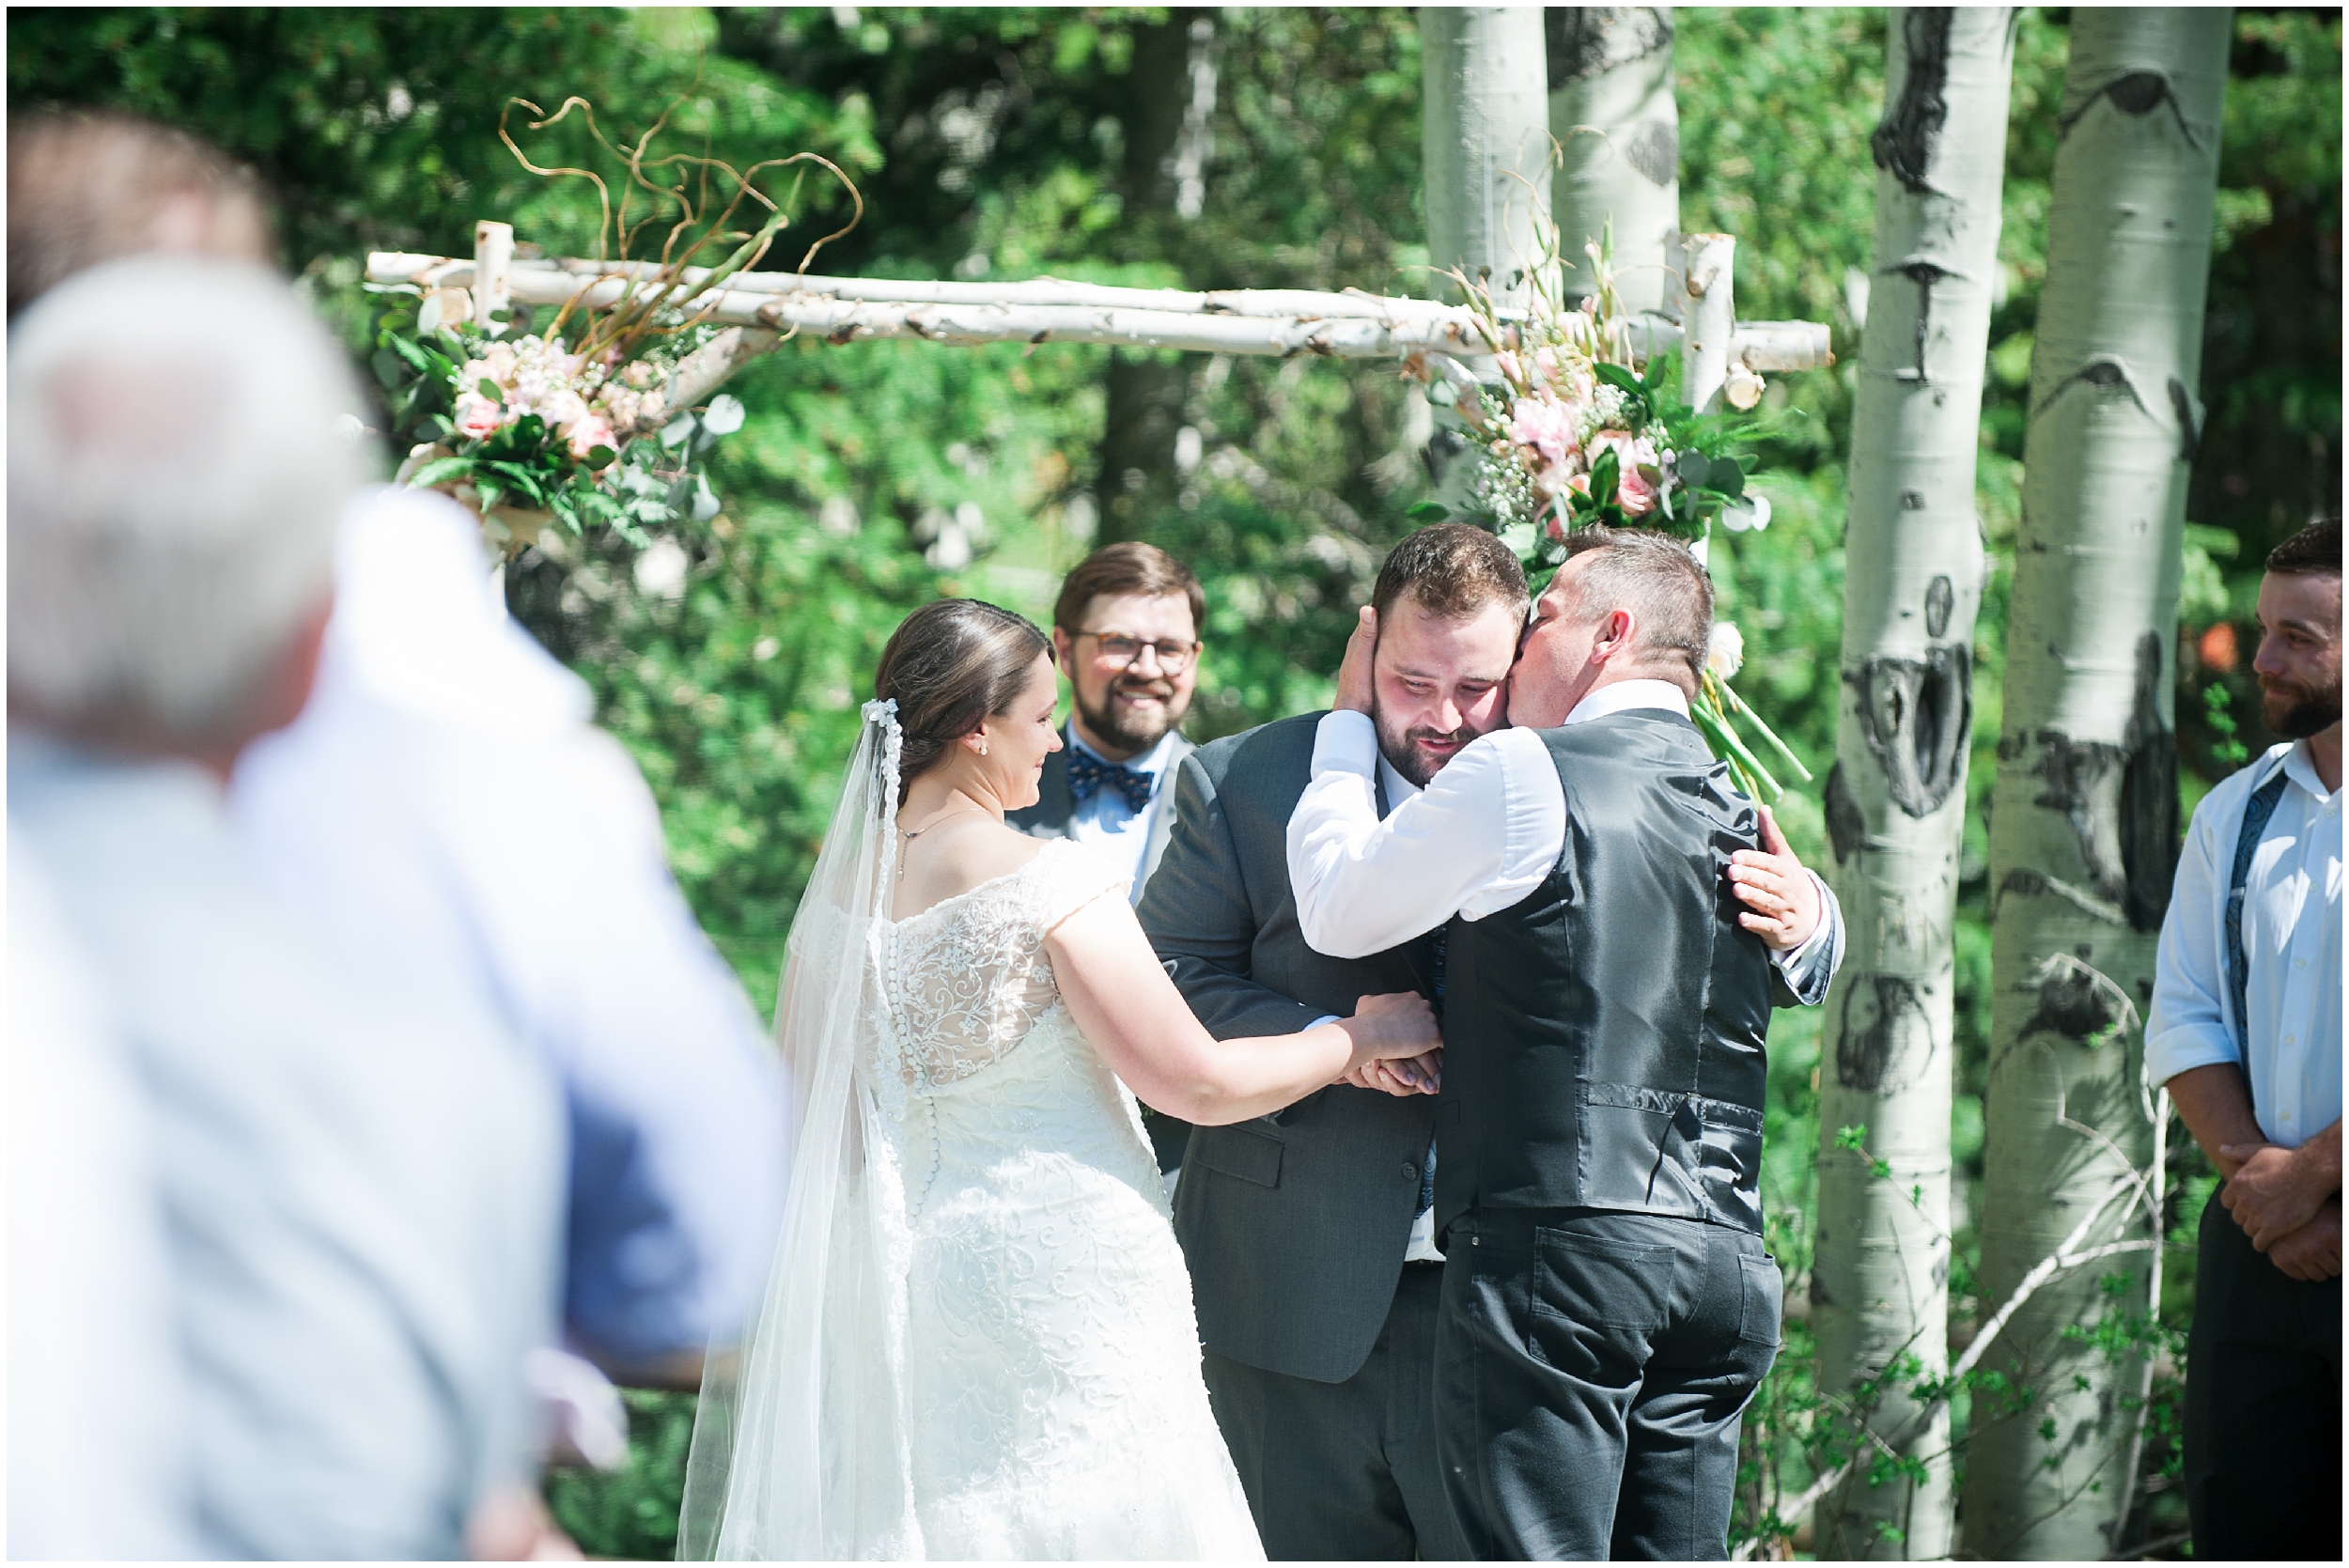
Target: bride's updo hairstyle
950,666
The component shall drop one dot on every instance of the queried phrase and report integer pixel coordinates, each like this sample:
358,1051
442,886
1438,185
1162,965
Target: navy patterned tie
1087,774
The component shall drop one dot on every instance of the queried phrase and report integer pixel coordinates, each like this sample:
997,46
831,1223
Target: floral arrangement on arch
576,424
1566,431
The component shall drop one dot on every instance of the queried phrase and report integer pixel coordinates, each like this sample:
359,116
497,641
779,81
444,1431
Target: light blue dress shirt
2292,934
361,1192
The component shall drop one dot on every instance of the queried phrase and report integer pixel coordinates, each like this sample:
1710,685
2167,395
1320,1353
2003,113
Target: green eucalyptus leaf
440,471
1428,511
491,390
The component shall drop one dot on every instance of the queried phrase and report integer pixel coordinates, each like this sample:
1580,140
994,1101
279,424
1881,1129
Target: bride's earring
982,748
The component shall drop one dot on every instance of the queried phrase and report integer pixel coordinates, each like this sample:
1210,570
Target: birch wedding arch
1571,411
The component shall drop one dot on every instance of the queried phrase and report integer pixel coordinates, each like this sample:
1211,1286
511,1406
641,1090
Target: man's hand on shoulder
1781,899
2312,1252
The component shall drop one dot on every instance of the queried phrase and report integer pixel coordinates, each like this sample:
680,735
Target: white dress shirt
1454,852
1364,885
2291,934
1109,824
444,808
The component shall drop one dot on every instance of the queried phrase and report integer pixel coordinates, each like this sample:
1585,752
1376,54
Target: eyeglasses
1119,650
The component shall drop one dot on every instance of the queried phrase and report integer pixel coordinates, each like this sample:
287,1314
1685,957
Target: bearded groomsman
2245,1033
1126,633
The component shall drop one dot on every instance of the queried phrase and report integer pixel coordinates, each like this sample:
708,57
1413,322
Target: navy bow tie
1089,773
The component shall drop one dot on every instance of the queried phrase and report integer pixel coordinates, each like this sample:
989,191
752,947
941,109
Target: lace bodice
967,977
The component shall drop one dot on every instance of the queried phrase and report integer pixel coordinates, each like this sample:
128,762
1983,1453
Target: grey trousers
1345,1471
2263,1405
1591,1371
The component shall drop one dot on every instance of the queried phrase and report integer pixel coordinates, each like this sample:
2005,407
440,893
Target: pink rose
591,432
1633,492
478,417
1545,425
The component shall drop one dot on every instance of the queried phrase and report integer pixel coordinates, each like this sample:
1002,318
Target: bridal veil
799,1446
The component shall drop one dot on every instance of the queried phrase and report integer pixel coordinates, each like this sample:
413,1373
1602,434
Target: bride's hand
1398,1024
1401,1076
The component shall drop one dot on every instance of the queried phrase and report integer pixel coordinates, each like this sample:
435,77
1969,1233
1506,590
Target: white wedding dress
1056,1405
979,1339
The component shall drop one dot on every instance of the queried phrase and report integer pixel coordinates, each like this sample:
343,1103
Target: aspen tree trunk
1485,140
1618,129
1146,392
1484,161
1896,799
2084,825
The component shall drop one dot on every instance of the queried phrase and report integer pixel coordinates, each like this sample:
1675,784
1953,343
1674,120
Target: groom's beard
1121,726
2295,712
1406,751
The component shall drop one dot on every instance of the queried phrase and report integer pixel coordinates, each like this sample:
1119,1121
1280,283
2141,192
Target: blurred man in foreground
359,1201
444,811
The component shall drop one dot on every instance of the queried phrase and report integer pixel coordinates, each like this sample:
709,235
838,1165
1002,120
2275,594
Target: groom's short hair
1454,571
1660,581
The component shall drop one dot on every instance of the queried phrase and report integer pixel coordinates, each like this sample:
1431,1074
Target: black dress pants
1345,1471
2263,1405
1591,1371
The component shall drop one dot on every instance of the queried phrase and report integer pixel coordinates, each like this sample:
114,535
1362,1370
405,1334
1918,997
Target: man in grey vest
1126,633
1315,1270
1606,1305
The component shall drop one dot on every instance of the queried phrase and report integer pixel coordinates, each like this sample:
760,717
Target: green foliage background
988,143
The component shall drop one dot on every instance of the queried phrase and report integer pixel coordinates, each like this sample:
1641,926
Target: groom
1608,1308
1313,1268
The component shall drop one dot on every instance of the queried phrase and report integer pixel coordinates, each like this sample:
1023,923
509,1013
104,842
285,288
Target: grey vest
1604,1036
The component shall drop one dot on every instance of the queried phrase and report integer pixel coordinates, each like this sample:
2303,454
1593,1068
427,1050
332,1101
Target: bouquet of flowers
1566,431
577,424
526,432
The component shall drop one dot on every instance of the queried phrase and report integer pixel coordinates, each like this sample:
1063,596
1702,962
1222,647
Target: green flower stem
1737,704
1709,719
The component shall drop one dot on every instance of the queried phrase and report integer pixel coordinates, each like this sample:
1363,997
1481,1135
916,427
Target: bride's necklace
916,832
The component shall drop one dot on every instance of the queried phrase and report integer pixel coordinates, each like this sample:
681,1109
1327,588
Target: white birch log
492,264
1709,317
1617,125
2084,825
1896,800
1234,321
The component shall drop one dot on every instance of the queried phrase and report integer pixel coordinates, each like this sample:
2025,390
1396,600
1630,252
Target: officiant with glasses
1126,633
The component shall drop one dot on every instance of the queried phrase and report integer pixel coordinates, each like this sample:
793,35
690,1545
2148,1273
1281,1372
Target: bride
978,1339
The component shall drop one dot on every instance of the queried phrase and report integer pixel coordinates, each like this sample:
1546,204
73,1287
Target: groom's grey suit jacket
1293,1224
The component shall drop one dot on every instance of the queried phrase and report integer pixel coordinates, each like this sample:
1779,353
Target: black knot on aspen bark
1917,716
1653,152
2189,434
1904,139
2135,94
2149,796
1880,1011
1941,599
2127,827
1582,41
1846,824
2072,1004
